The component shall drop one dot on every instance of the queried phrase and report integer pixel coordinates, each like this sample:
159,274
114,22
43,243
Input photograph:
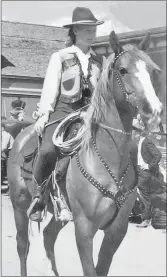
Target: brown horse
15,127
101,195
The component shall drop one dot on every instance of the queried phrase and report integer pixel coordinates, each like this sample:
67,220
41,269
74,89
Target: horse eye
123,71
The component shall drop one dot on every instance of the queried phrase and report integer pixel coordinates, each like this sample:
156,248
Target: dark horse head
15,127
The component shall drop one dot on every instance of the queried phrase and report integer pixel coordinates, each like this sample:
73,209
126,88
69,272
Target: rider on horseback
71,77
18,113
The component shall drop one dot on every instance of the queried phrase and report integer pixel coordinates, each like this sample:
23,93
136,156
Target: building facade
29,47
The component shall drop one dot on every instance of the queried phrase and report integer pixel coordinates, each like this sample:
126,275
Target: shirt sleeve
51,85
11,141
7,141
156,154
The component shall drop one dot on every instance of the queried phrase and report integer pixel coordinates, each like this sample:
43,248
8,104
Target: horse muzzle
151,115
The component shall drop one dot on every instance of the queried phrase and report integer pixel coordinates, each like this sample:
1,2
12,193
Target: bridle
121,85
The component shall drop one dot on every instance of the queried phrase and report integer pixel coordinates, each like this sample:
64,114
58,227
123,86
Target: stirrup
34,202
36,189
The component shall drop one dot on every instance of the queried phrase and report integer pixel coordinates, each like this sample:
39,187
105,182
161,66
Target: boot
144,224
34,212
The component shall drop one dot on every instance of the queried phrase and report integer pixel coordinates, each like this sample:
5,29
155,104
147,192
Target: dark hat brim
84,22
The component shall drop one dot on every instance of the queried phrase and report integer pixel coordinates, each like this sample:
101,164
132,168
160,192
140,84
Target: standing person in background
149,157
6,141
6,145
18,112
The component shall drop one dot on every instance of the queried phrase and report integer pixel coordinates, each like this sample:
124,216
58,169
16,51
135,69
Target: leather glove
40,124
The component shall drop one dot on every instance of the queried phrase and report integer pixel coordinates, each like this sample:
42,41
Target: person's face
21,116
85,34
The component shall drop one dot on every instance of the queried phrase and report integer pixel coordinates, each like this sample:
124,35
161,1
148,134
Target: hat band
83,21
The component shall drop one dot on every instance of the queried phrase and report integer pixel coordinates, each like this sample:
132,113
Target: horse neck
112,118
125,112
113,143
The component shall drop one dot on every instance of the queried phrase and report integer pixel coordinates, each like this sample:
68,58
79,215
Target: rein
113,129
120,81
149,133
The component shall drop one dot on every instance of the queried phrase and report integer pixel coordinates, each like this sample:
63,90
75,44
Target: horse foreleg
23,244
84,239
50,234
111,241
114,235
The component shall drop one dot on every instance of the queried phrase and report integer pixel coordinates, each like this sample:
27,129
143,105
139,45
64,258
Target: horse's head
131,71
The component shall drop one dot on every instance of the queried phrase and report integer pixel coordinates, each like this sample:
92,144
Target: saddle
28,144
68,134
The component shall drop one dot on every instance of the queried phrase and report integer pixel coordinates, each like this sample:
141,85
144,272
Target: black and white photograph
83,138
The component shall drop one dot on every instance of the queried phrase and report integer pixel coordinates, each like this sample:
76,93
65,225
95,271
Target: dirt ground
142,253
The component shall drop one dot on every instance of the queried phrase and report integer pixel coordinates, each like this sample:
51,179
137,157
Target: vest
73,82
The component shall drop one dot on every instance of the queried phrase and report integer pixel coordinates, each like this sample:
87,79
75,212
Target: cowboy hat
18,103
83,16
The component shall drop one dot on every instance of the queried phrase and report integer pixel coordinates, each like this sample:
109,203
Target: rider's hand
40,124
144,166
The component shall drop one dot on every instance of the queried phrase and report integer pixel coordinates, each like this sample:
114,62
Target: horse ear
145,42
114,43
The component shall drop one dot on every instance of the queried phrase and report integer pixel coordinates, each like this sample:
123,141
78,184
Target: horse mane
103,93
141,55
100,97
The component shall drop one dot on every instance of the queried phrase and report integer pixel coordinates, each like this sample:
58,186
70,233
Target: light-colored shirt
84,59
141,162
51,85
6,141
